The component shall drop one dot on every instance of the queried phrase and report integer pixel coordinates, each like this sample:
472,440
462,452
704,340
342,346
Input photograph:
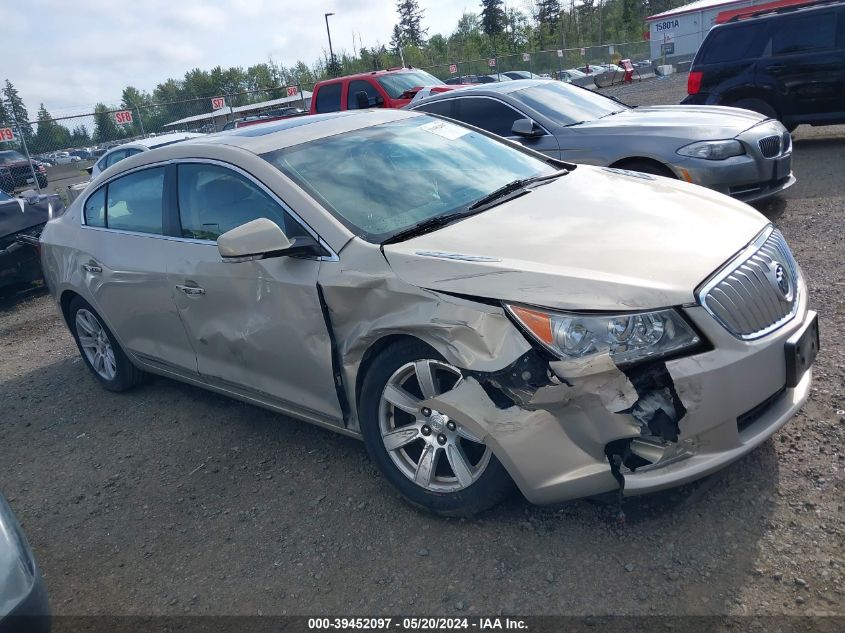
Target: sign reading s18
123,117
665,26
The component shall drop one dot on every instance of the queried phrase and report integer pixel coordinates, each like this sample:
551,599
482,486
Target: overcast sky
70,55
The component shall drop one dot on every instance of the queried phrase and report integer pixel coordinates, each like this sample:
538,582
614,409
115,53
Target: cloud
86,52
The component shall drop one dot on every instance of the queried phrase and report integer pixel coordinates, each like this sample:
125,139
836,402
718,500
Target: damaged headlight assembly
627,337
713,150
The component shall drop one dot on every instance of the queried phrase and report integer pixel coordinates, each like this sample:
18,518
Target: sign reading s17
122,117
217,103
7,134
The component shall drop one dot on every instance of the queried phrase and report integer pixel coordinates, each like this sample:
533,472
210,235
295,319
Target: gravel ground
170,500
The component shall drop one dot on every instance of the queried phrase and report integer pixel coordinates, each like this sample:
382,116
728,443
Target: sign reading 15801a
666,25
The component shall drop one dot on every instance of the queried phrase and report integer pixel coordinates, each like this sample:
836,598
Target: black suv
787,64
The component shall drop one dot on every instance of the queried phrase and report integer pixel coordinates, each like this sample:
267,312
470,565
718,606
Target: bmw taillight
694,82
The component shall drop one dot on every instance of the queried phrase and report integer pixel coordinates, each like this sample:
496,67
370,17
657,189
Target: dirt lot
170,500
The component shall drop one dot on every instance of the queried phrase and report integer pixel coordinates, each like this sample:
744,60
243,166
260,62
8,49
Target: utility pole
331,52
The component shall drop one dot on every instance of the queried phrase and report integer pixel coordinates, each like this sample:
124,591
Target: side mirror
260,239
526,128
362,100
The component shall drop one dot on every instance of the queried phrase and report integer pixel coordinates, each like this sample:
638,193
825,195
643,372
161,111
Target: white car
117,154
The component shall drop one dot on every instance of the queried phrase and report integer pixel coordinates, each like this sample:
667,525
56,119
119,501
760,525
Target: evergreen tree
410,23
16,110
548,12
50,135
396,39
79,137
493,18
105,129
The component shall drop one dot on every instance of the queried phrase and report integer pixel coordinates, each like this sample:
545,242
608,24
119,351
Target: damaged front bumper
565,429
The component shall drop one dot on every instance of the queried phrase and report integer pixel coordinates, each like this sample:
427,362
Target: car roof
267,137
374,73
157,141
487,90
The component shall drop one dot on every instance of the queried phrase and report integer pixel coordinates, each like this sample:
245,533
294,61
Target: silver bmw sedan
480,314
736,152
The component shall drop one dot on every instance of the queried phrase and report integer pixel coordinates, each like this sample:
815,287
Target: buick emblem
781,281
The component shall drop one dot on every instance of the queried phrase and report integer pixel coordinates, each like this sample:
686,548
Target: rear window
328,98
798,34
734,43
397,84
10,156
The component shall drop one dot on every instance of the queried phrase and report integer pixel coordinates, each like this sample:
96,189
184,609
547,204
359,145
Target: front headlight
712,150
17,567
627,337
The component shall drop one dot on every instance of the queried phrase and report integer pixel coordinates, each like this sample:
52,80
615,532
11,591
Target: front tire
100,350
433,461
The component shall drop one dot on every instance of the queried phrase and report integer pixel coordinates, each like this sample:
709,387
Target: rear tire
100,350
756,105
434,462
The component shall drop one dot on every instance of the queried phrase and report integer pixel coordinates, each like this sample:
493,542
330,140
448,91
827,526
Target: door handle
191,291
91,268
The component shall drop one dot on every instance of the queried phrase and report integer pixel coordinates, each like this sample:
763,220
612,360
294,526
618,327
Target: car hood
18,214
595,239
700,122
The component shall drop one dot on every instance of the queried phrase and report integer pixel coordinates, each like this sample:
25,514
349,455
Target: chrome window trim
728,268
331,257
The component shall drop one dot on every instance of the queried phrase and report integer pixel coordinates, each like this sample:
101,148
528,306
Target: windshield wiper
482,204
512,187
604,116
425,226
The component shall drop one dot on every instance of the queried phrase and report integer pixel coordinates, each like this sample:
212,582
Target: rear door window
356,86
488,114
443,108
135,201
328,97
115,157
735,43
798,34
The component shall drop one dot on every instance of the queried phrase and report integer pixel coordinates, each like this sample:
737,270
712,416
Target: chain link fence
58,150
548,62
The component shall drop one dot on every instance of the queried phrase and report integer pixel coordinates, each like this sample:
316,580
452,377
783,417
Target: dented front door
257,326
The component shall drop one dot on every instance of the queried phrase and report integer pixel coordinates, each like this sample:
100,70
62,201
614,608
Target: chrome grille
757,292
770,146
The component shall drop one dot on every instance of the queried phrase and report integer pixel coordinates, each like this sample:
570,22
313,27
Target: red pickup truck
392,88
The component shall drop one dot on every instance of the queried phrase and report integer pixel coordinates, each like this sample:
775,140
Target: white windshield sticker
446,130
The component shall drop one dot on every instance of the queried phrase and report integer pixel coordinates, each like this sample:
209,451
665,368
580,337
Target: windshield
396,84
384,179
567,104
10,156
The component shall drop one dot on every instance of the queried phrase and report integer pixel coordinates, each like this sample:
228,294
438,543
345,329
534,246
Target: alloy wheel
95,344
429,448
